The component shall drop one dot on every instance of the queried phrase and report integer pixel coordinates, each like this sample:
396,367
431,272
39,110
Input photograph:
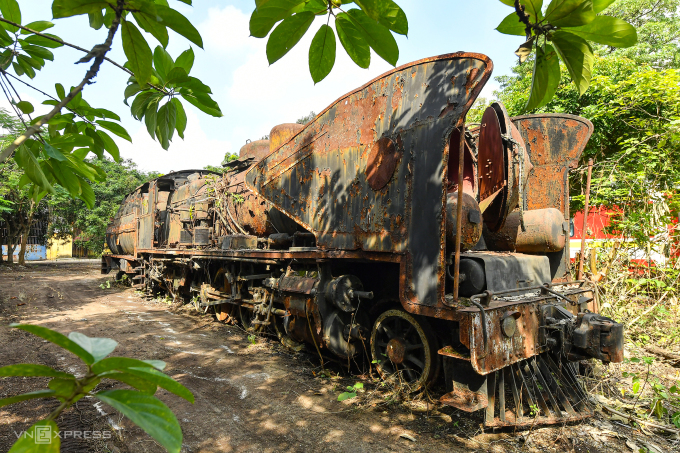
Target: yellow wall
59,248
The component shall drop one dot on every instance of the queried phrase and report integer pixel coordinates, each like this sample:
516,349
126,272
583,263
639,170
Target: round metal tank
282,133
544,232
471,226
257,149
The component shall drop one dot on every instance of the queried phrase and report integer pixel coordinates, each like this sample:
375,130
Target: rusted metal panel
281,134
554,143
544,231
502,350
320,177
256,150
296,284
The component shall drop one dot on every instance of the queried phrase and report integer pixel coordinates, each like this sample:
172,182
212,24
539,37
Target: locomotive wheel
402,343
247,317
224,312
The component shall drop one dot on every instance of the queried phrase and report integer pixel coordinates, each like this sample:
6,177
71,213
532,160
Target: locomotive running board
542,390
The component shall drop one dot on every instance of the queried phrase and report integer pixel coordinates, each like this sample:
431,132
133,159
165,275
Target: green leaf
387,13
133,381
115,128
38,25
322,53
98,347
377,36
346,395
545,78
104,113
87,194
511,25
195,85
607,30
27,161
353,41
181,117
203,103
60,91
44,431
162,62
150,116
131,90
53,152
121,363
10,10
162,380
267,14
601,5
25,106
109,145
149,413
180,24
185,60
577,56
137,52
26,65
62,387
165,124
67,8
533,8
177,76
96,19
140,103
58,339
30,369
26,396
151,25
569,13
44,42
37,51
287,34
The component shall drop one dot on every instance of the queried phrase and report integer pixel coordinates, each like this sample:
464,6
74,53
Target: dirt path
249,397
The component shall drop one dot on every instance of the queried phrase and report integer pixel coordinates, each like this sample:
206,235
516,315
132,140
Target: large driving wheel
251,320
403,343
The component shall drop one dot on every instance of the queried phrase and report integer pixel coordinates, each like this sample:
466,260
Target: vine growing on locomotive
341,234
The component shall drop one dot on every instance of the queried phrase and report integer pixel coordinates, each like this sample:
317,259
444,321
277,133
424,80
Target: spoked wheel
402,343
250,320
225,313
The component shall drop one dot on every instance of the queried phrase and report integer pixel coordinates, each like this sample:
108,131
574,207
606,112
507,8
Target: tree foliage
139,405
52,149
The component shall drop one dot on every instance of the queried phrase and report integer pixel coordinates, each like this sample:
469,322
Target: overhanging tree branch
91,73
60,41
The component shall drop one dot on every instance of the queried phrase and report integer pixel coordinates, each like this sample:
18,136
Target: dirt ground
251,394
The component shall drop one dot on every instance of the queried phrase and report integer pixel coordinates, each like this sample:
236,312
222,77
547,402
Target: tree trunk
26,231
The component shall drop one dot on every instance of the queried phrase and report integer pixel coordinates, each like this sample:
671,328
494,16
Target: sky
253,95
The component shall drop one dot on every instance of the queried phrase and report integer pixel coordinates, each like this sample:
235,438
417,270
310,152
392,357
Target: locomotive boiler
387,226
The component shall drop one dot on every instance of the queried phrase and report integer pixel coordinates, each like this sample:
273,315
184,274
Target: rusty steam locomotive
388,225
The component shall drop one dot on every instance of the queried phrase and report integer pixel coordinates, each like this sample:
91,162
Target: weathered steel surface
471,226
281,134
256,150
545,231
319,178
501,350
554,143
